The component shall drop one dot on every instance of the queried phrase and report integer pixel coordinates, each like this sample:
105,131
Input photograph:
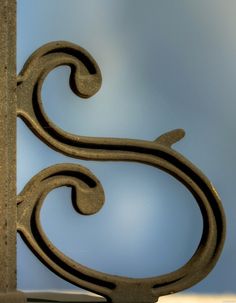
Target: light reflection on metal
87,192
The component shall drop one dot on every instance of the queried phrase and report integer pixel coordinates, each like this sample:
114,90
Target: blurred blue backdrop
165,65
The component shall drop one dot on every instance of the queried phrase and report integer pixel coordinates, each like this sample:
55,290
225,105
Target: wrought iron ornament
87,192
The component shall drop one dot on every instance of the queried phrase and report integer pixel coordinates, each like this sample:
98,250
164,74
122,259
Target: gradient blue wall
165,64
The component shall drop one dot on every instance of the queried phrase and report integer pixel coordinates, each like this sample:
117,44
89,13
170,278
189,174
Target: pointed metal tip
171,137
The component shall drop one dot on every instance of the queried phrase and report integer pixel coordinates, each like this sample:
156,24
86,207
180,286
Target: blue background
165,65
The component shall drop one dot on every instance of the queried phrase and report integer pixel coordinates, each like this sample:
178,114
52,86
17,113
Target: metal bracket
22,214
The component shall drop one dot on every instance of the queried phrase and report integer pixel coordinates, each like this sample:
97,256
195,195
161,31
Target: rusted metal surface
87,192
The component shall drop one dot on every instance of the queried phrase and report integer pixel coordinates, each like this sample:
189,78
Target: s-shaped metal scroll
87,191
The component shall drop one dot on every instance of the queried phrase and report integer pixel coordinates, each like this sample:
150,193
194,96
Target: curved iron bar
85,80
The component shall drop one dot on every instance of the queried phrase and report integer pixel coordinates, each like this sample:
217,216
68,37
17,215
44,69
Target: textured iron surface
22,213
13,297
87,192
7,146
8,293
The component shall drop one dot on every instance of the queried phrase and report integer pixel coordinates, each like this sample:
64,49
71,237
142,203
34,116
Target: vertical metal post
7,145
8,210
